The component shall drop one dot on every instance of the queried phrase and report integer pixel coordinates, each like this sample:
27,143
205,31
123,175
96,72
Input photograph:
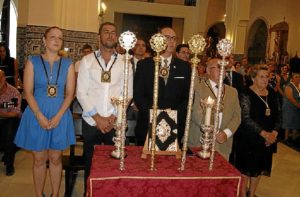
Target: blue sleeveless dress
30,135
291,113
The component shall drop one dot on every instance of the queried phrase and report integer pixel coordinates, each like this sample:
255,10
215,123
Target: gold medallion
105,76
51,90
164,72
268,112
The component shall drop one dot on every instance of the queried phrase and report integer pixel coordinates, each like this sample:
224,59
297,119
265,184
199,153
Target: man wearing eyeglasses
229,117
174,85
183,52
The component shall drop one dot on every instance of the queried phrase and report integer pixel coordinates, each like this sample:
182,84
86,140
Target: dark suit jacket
237,81
173,95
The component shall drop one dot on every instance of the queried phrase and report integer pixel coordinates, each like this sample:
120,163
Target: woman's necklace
268,110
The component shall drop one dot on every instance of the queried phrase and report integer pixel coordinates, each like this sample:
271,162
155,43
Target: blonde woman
46,126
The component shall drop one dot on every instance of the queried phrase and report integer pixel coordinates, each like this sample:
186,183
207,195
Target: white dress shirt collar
227,131
213,86
168,58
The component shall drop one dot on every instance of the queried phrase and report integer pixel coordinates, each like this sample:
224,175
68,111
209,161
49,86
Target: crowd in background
268,101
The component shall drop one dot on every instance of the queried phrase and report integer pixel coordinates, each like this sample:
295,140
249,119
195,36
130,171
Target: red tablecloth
137,180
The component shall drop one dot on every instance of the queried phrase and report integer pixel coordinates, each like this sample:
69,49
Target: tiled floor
285,180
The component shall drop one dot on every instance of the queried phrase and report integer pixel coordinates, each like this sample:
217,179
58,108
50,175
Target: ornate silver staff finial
158,42
197,43
224,47
127,40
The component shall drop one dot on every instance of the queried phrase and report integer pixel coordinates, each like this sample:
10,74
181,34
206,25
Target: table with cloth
138,180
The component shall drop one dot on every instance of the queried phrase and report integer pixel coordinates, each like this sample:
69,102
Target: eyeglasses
170,38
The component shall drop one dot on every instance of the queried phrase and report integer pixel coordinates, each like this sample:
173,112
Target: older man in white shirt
230,116
100,78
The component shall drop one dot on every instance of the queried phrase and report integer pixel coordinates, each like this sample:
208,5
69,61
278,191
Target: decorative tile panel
29,42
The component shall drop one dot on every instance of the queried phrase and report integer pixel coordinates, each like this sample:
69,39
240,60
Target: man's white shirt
94,95
227,131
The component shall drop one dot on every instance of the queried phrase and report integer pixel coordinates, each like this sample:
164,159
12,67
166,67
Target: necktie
165,63
166,66
133,66
228,76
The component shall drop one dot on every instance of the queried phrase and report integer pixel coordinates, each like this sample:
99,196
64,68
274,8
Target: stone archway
257,42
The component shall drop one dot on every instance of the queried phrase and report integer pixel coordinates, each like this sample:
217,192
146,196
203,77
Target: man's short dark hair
106,23
181,46
87,46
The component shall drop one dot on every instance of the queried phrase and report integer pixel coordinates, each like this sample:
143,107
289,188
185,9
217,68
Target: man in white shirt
100,78
230,117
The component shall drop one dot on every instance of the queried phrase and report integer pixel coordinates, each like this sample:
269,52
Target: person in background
183,52
247,77
255,139
201,71
282,79
291,106
100,78
244,65
85,50
46,127
10,113
272,75
237,66
139,51
230,117
9,65
120,49
233,78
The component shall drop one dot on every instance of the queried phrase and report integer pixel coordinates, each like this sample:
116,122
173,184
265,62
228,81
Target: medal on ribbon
164,72
268,112
51,90
105,76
